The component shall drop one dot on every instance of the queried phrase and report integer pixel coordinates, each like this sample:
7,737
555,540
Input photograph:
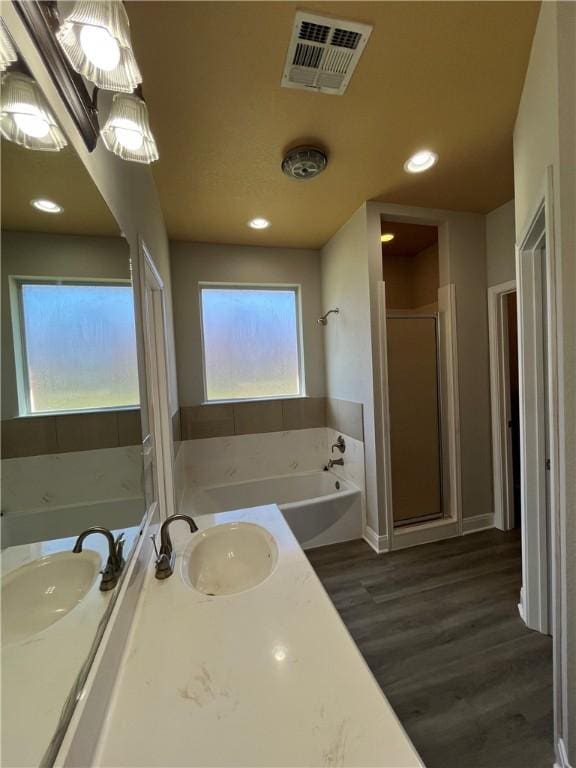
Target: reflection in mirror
71,437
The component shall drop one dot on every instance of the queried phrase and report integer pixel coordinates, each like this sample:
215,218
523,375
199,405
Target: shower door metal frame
427,518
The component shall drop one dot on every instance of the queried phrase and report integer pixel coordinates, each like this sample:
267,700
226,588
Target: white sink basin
229,558
40,593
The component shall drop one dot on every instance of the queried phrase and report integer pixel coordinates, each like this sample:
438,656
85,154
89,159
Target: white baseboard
477,523
561,755
378,543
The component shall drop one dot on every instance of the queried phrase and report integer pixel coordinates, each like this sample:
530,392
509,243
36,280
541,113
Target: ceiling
58,176
409,239
441,75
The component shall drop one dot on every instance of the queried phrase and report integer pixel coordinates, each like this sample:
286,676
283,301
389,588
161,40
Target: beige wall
41,255
128,188
544,139
411,281
348,343
500,245
193,263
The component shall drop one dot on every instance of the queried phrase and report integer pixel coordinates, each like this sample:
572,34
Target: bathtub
319,507
28,526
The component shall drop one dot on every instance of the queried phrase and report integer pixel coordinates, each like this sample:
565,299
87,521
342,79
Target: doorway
505,404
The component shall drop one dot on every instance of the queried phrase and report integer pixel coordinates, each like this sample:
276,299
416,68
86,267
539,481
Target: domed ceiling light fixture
8,53
127,132
25,117
95,36
303,163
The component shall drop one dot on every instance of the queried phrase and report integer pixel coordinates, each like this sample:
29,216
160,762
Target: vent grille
316,32
345,38
323,53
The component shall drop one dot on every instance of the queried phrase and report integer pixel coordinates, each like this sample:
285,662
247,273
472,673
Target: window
251,338
78,345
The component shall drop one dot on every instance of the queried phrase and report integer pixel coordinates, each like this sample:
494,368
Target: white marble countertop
38,673
268,677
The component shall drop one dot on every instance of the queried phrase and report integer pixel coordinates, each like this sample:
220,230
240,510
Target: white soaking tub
319,507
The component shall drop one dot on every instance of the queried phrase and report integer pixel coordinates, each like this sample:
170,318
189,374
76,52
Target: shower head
324,319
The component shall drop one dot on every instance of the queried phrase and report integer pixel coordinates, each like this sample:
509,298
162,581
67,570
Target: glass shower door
415,422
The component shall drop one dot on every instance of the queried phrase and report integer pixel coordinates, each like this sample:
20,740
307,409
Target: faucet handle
340,444
153,540
119,546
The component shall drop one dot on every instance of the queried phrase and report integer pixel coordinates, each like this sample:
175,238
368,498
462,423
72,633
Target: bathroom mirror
71,437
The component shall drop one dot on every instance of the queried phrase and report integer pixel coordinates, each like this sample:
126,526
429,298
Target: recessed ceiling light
421,161
387,237
259,223
47,206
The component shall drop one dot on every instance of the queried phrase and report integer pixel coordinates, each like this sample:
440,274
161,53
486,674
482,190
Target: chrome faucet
166,557
332,463
114,564
340,444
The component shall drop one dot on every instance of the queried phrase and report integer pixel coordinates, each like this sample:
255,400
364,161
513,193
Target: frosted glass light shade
8,53
127,131
95,37
25,117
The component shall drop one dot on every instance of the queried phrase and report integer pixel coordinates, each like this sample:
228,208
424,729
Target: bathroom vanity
263,676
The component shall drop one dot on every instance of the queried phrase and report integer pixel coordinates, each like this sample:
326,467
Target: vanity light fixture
259,223
25,117
8,53
127,131
95,36
421,161
46,206
387,238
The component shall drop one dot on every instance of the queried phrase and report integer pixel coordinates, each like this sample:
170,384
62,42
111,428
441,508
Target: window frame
296,289
19,340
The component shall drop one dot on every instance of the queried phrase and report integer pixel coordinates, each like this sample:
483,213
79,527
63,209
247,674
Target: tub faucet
332,463
166,556
115,562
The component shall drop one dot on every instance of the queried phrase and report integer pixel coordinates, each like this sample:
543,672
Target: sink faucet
333,462
115,562
166,556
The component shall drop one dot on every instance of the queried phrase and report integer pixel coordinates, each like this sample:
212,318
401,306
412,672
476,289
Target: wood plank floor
438,626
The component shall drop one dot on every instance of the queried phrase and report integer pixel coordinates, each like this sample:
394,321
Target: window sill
44,414
254,400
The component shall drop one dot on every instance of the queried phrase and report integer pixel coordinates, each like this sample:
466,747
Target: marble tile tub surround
62,479
70,432
271,678
257,417
217,460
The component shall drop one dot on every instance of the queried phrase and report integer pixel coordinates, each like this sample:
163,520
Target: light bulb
421,161
128,134
47,206
259,223
100,47
30,121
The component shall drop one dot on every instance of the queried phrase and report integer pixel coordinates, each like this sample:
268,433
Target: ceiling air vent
323,53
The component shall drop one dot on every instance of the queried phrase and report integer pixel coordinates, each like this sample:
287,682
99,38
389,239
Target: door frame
502,469
156,367
540,509
451,523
